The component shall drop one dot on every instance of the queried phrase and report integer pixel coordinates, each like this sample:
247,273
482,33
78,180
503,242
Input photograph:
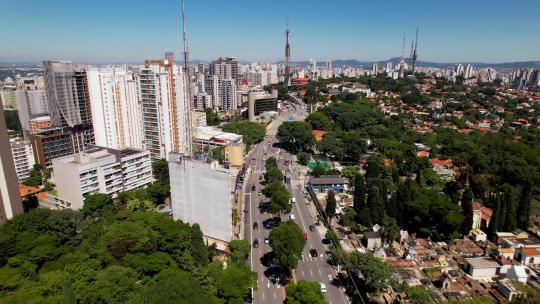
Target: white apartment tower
165,106
23,157
116,109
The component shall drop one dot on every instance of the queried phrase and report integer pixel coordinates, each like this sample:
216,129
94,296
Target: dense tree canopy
304,292
287,242
109,254
251,132
296,135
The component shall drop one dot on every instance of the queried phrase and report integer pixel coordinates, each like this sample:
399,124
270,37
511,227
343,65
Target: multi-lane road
309,268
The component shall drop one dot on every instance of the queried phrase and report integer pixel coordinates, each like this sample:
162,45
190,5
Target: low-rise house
528,255
372,240
481,216
328,182
482,267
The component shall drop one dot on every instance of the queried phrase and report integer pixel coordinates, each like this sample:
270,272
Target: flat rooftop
482,262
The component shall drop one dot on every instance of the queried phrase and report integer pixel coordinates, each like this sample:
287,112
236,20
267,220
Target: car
313,253
255,243
255,225
311,228
253,188
261,178
291,216
323,288
305,236
259,193
266,240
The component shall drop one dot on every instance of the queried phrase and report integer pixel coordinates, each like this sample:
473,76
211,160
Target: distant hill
395,61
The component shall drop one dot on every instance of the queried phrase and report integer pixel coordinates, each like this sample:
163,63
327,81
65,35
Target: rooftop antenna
401,61
287,80
415,54
188,133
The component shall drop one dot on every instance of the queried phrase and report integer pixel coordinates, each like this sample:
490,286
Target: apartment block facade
100,170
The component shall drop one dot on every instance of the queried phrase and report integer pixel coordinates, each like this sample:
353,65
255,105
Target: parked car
253,188
311,228
255,243
323,288
313,253
255,225
305,236
266,240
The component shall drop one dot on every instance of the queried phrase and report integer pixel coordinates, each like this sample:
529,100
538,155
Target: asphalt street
309,268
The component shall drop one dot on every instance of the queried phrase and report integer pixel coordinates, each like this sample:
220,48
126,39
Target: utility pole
188,132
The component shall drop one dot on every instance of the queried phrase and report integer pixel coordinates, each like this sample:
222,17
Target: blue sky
253,30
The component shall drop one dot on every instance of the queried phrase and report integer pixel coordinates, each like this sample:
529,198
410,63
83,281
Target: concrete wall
201,194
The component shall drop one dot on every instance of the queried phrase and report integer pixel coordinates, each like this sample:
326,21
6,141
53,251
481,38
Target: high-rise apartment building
69,105
10,199
116,109
166,109
51,143
23,157
228,95
225,68
31,102
212,87
203,192
100,170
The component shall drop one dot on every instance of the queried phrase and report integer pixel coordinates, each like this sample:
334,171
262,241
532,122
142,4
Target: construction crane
415,54
401,60
188,132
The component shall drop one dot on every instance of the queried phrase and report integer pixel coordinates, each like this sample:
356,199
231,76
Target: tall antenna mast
415,54
401,62
188,132
287,80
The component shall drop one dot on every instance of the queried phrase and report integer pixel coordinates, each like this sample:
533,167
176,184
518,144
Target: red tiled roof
529,252
318,134
25,190
441,162
422,154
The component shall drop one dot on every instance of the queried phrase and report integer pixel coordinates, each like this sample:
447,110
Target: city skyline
100,32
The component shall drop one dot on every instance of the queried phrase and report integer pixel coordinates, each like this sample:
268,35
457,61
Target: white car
291,216
323,288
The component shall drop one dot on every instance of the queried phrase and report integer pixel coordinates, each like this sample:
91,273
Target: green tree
251,132
35,176
330,209
391,228
160,168
304,292
234,281
279,202
212,118
359,193
375,205
376,274
95,202
319,121
303,158
297,135
172,286
418,295
239,250
467,210
287,242
318,170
